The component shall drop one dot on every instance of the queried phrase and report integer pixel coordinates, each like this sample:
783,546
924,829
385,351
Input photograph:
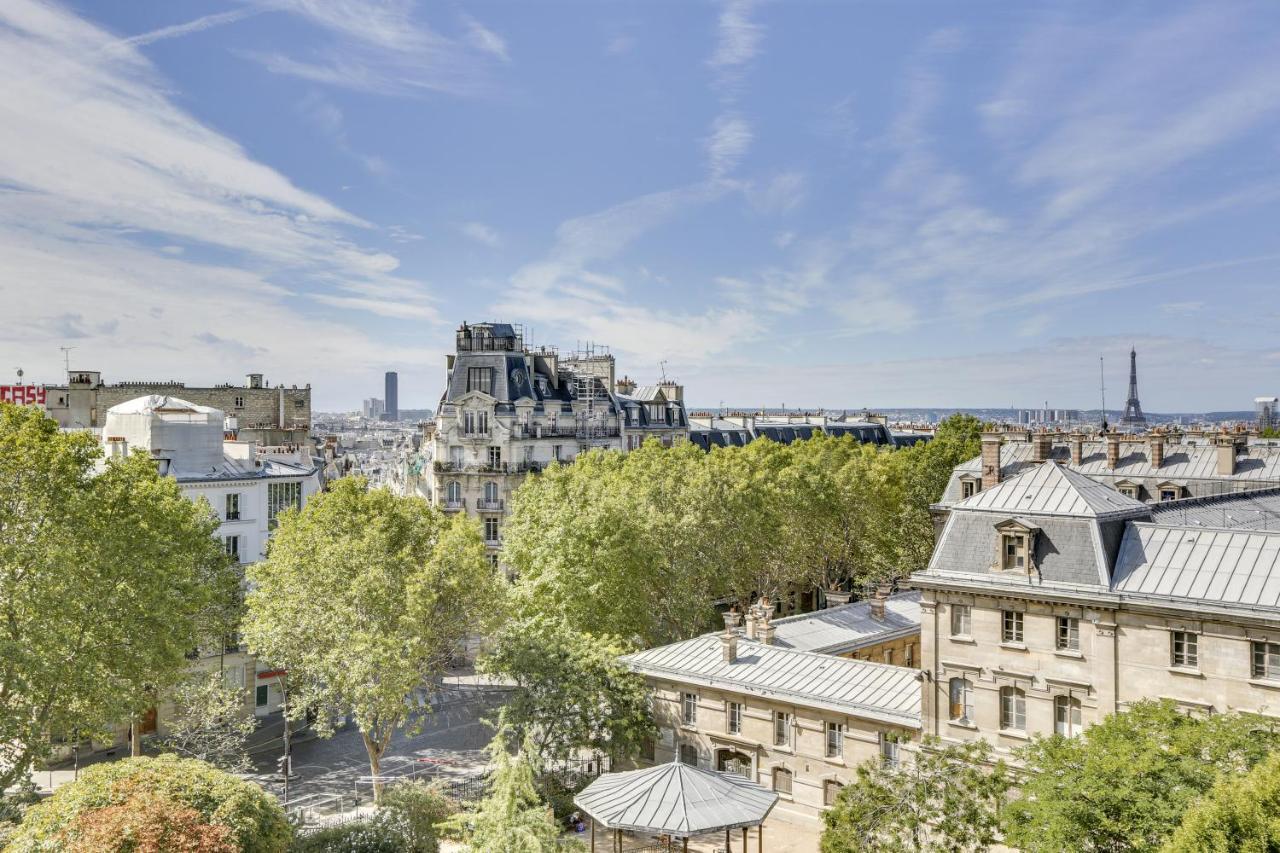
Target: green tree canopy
1240,815
1125,783
156,796
364,598
108,577
945,799
209,721
571,691
512,818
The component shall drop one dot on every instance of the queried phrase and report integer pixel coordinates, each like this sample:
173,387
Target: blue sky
799,203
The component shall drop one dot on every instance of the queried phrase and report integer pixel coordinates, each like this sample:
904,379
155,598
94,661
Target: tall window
1068,633
1185,649
830,792
475,423
781,728
232,512
961,620
689,754
491,527
735,718
1066,715
1013,708
961,690
480,379
280,497
657,413
453,493
1014,550
491,492
968,488
689,709
239,401
835,740
1011,626
889,749
782,780
495,457
232,546
1266,660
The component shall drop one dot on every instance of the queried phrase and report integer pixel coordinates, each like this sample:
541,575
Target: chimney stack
766,629
1113,450
990,460
729,639
1226,445
1156,451
1077,447
1041,446
625,386
877,601
753,621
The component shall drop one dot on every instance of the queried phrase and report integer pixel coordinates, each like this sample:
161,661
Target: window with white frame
733,718
281,497
1066,715
782,780
961,692
781,728
968,488
1010,626
453,493
1129,491
495,457
1013,708
689,709
1168,495
232,546
889,749
1266,660
1184,649
492,527
835,740
480,379
231,510
1068,634
491,492
961,620
1014,548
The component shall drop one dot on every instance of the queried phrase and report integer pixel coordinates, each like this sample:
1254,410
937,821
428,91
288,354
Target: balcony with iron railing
456,505
583,431
495,505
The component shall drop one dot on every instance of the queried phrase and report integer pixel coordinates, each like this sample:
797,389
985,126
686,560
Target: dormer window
968,488
1169,491
1016,542
1129,489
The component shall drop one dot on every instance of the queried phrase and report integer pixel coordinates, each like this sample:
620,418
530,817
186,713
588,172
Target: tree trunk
135,737
375,765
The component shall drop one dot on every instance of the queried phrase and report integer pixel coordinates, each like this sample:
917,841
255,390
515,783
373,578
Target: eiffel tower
1133,416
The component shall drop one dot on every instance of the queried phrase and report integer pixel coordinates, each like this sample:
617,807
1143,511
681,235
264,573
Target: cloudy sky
800,203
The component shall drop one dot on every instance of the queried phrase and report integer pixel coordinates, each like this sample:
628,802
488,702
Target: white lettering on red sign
23,395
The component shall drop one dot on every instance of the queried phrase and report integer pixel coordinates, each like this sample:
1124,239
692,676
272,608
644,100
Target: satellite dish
19,375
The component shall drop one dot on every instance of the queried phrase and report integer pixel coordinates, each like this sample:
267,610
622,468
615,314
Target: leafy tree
512,817
364,598
1241,814
572,692
209,721
108,577
1125,783
415,809
945,799
151,795
147,823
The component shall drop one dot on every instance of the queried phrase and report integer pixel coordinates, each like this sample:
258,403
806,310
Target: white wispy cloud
198,25
728,143
111,195
482,234
738,40
328,117
484,39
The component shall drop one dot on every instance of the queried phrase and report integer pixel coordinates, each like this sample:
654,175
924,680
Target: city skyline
901,207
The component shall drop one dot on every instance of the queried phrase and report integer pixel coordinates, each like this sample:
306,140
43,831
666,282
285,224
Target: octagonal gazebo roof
675,799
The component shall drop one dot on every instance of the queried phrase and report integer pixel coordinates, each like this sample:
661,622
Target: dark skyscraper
392,396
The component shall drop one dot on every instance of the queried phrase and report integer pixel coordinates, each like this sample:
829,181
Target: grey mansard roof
874,691
1231,567
1055,490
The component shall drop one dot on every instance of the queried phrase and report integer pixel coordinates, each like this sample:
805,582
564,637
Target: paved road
454,736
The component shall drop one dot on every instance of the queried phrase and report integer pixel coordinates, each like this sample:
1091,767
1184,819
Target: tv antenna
66,357
662,367
1102,388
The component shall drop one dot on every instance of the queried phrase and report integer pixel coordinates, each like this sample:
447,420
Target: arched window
782,780
491,493
453,493
1013,708
961,691
1066,715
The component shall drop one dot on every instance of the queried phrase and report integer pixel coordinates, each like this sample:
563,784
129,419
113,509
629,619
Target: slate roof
1254,510
1234,567
720,432
874,691
1054,490
675,799
1073,551
842,629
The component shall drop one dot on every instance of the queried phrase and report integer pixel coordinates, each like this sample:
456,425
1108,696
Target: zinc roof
850,626
1254,510
675,799
864,689
1235,567
1052,489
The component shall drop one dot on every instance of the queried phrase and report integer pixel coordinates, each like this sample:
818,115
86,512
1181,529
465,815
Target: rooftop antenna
66,357
1102,387
662,366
